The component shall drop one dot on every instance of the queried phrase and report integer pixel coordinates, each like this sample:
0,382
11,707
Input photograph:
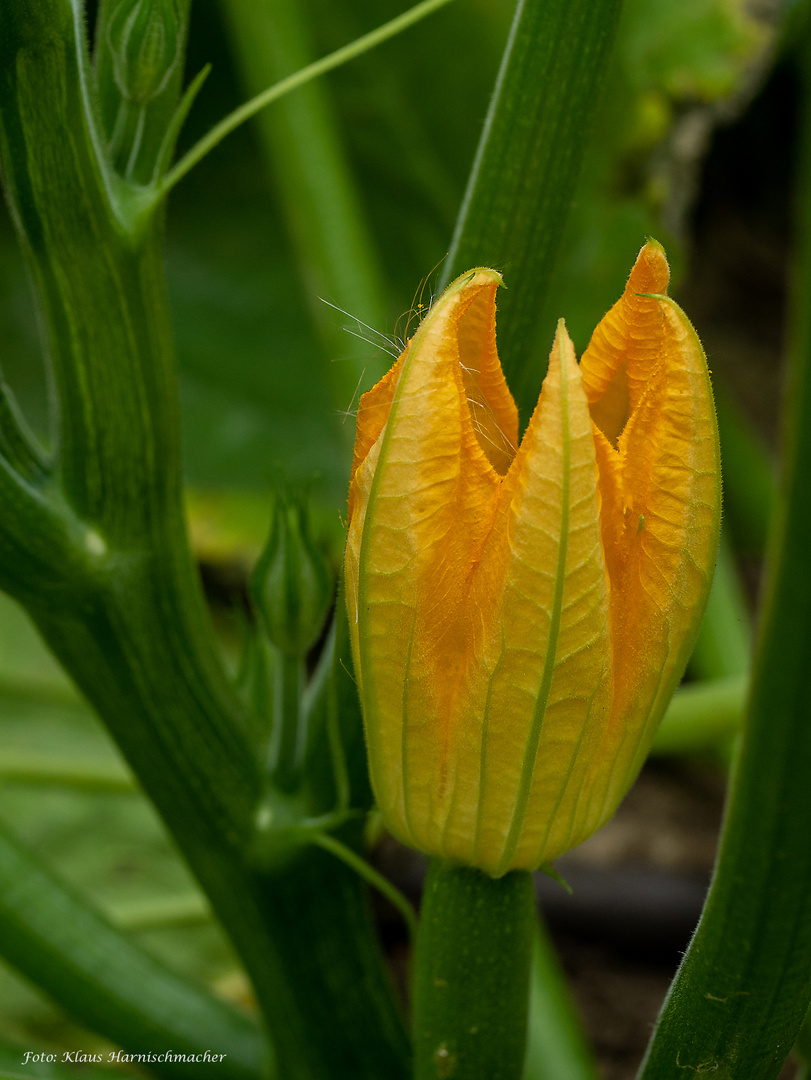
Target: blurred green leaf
27,668
691,50
50,933
703,716
253,382
556,1044
303,149
743,986
677,67
254,379
724,645
411,114
112,849
750,485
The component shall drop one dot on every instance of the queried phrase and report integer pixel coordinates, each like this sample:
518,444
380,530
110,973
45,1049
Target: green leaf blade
743,988
528,159
108,982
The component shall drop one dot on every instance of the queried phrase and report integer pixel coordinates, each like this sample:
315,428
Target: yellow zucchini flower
521,614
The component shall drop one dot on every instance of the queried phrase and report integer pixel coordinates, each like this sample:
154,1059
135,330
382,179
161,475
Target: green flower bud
291,586
144,40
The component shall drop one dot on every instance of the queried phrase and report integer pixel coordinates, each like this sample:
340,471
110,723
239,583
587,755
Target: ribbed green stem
100,557
743,988
345,1023
521,185
123,604
471,974
100,286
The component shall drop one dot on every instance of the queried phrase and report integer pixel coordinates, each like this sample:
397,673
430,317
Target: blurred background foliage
255,378
269,375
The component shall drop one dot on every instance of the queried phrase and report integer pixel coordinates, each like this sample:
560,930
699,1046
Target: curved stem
304,153
371,877
292,82
17,444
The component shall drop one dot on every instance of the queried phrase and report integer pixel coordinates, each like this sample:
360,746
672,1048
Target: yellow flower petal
660,493
424,500
543,591
624,348
520,617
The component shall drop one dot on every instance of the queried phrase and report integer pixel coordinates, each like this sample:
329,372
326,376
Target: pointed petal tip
561,335
563,348
477,277
651,273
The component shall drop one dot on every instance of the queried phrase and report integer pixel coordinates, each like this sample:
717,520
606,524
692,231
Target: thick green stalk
97,551
471,974
100,285
743,988
107,982
124,612
512,218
